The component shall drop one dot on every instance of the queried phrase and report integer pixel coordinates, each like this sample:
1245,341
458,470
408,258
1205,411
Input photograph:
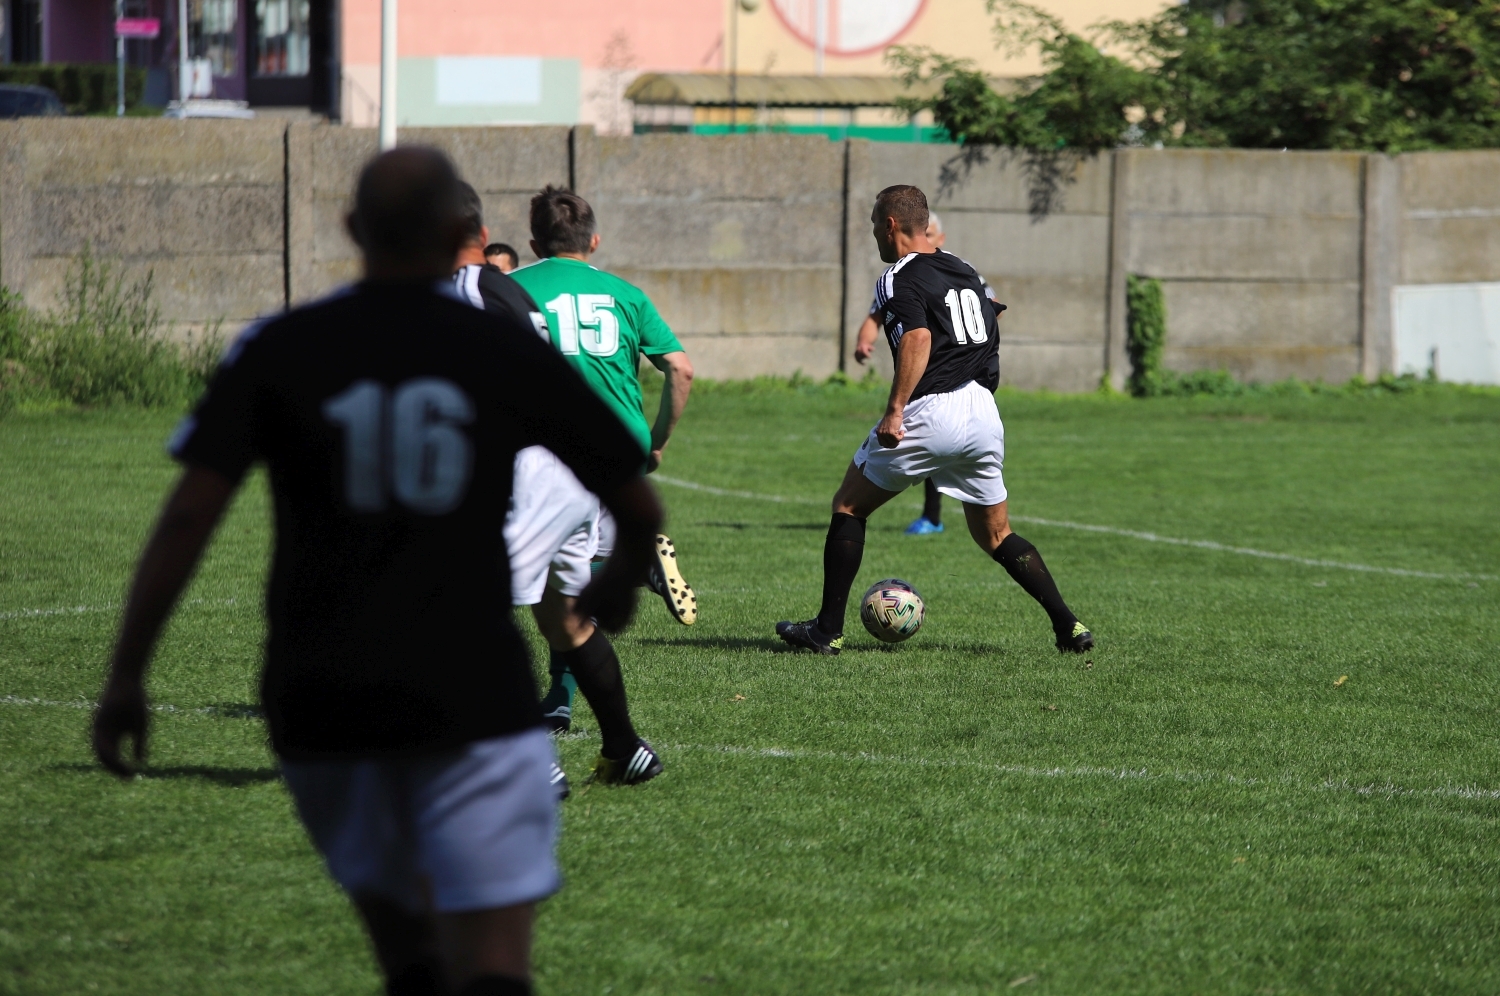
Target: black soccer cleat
807,636
559,779
1080,641
665,578
641,766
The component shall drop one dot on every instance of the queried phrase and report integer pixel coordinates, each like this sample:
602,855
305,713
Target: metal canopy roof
712,90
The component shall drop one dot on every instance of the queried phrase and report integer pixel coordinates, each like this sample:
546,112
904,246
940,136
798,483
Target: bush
1146,334
83,87
106,346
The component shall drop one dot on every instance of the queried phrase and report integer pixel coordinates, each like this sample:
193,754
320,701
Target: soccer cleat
641,766
559,720
807,636
923,526
559,779
666,580
1078,642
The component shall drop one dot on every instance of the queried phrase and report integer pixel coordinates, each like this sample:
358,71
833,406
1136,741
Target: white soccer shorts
551,530
477,826
956,438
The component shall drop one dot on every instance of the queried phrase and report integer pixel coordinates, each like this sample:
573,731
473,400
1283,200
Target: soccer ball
892,610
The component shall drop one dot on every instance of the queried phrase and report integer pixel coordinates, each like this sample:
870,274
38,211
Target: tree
1384,75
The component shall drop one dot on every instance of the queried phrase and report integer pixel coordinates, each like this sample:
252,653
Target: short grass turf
1204,804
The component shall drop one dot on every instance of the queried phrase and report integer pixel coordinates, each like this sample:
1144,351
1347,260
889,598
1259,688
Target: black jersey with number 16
941,293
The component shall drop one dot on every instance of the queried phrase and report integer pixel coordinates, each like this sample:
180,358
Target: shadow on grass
228,777
719,642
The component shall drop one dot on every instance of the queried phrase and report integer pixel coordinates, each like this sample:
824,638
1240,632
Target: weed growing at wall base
107,345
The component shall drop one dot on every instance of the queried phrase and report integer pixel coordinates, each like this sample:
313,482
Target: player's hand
609,600
863,351
890,430
121,712
653,461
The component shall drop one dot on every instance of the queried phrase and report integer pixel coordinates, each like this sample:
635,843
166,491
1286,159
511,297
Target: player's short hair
501,249
406,203
472,209
561,221
905,203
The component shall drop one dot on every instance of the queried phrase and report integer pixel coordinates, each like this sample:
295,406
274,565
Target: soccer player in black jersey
940,423
397,690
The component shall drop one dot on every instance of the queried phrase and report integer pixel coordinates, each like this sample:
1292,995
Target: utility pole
120,60
184,83
387,74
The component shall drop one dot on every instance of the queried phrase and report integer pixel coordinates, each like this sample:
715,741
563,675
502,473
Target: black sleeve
556,409
504,296
221,433
906,310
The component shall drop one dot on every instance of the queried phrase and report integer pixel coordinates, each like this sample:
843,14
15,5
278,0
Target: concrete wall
198,207
1259,254
737,239
757,248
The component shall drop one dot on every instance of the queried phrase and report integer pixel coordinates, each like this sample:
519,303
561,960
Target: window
283,42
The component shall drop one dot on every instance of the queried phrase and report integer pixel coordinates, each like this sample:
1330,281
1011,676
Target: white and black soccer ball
892,610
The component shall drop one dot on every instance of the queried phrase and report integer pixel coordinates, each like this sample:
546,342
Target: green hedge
85,87
1146,338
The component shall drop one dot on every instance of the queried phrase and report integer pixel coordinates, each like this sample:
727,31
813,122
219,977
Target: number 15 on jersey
587,321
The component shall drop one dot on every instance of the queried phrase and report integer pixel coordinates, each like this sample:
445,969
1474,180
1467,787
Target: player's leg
931,519
990,527
843,550
405,947
586,653
487,952
485,823
353,813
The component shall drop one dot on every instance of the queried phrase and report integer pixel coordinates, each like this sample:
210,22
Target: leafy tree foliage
1386,75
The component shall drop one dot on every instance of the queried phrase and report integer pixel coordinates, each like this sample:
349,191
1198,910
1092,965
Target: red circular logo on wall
850,27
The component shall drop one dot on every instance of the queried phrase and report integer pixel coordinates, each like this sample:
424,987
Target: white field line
1386,789
1113,531
82,610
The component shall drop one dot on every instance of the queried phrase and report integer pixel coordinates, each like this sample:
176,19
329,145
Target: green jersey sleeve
656,335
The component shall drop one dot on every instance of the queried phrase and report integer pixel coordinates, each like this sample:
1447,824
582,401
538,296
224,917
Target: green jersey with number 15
601,325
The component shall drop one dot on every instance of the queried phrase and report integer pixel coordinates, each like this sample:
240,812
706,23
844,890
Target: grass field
1197,807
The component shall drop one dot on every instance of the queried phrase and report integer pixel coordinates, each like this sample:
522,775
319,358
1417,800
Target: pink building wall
662,34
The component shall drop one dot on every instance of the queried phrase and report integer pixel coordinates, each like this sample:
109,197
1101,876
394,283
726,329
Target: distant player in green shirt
603,325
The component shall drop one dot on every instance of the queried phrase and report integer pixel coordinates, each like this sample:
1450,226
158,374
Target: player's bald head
408,210
906,204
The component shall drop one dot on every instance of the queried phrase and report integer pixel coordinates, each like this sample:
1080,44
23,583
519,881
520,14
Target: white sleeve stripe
471,286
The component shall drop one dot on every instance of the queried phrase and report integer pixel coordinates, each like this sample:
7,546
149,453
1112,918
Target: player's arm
911,363
186,523
678,370
864,340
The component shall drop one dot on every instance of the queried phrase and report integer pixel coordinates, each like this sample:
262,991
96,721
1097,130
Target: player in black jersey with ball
941,423
397,690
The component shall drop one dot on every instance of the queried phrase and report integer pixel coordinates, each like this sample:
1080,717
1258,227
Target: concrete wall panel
1333,364
1461,183
1245,248
739,357
1056,367
1245,182
1209,313
190,290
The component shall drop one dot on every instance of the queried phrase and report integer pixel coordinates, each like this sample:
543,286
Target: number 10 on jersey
585,320
967,315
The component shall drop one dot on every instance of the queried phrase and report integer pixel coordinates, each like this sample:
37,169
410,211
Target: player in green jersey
603,325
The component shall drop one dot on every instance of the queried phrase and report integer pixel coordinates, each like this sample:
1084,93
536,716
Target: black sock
1022,562
419,978
932,504
842,552
597,671
496,985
